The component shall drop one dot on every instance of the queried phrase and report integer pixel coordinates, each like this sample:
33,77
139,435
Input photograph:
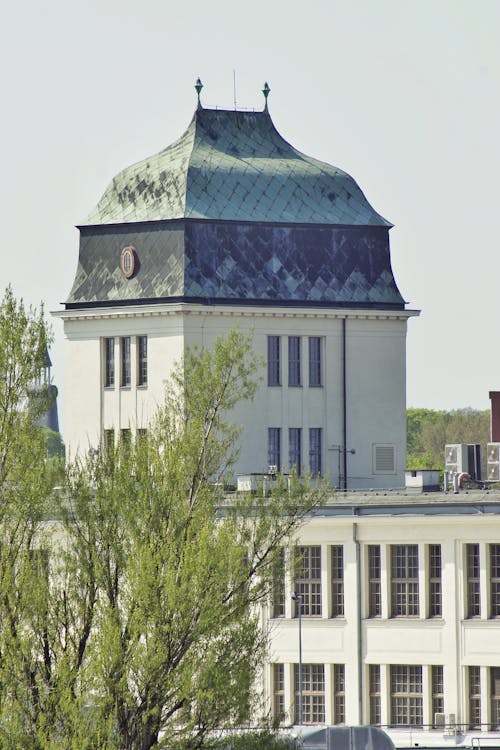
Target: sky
401,94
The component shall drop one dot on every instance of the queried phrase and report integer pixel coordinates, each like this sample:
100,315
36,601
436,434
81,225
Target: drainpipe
344,401
359,634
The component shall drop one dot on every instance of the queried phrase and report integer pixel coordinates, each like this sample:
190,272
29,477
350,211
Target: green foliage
429,431
144,630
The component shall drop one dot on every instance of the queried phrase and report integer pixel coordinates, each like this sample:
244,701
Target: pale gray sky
402,94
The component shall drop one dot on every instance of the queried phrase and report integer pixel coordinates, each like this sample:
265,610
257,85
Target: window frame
294,362
313,693
125,362
142,360
435,581
404,580
337,583
315,362
109,362
374,581
473,581
315,450
307,580
273,361
274,447
295,449
406,692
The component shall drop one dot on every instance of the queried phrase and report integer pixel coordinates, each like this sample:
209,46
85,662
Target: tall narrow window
339,693
374,581
278,585
313,693
474,698
109,362
473,583
273,360
294,378
125,377
279,691
274,448
337,581
435,593
406,696
374,686
308,579
495,697
295,449
404,580
142,360
495,579
315,450
315,362
437,692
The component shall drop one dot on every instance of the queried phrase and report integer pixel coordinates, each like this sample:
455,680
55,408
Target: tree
429,431
146,631
25,489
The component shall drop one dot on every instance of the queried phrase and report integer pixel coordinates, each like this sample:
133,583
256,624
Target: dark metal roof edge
212,301
193,220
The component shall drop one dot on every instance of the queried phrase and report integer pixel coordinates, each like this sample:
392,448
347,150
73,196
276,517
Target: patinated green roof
233,165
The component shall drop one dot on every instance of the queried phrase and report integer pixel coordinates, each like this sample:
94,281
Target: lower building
399,599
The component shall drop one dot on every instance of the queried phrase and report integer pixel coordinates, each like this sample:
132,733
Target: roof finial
198,86
266,91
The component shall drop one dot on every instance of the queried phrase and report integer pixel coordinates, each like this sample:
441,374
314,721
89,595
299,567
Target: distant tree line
428,431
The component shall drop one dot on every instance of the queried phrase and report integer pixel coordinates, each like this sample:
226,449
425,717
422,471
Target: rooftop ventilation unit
493,462
463,458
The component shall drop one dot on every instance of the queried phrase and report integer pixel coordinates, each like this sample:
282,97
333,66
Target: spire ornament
266,91
198,86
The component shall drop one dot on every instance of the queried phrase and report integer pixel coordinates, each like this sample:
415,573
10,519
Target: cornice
227,311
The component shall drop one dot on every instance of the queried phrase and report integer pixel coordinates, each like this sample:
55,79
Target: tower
231,224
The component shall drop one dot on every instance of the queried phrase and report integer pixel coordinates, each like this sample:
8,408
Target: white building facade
400,617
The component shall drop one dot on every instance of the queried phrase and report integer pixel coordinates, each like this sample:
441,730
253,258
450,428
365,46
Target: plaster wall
451,640
375,380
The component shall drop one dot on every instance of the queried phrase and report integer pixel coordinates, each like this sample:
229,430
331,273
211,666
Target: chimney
495,417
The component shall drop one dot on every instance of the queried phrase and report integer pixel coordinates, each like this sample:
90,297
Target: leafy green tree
429,431
145,632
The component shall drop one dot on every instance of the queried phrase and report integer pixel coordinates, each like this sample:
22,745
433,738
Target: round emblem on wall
128,261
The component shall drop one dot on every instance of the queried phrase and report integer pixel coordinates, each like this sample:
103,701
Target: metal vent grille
384,458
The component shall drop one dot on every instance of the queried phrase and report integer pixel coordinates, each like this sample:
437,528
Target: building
233,225
400,617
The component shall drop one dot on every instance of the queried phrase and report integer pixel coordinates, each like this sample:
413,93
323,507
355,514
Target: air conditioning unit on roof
463,458
493,462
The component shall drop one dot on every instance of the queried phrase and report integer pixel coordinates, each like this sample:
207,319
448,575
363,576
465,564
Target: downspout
344,401
359,634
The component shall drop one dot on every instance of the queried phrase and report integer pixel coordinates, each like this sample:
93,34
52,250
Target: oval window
127,261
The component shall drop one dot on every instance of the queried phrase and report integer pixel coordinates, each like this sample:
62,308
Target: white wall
450,640
375,368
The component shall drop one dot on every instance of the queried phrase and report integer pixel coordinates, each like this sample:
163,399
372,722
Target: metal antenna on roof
266,91
198,86
234,88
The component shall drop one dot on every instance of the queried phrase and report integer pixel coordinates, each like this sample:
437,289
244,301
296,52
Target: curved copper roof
235,166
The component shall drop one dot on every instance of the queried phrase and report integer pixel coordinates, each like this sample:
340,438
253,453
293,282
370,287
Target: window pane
473,588
495,579
274,447
313,693
125,361
315,450
374,581
314,361
294,449
435,594
404,580
294,361
337,581
142,360
308,580
273,360
109,362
